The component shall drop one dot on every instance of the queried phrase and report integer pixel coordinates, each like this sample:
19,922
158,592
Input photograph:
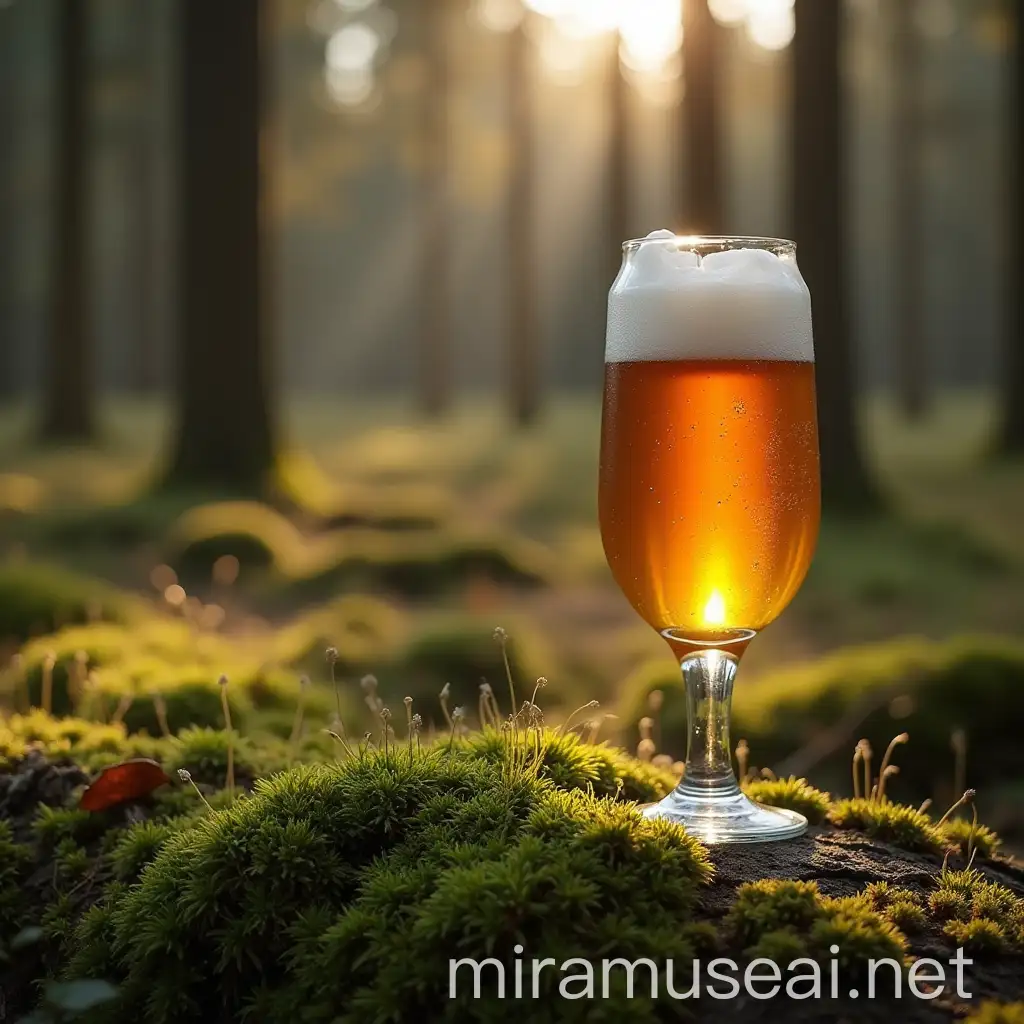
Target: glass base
728,818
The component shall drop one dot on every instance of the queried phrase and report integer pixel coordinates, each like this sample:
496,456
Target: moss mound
420,565
344,889
793,794
37,599
98,668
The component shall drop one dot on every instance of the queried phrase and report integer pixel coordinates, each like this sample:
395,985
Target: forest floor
948,558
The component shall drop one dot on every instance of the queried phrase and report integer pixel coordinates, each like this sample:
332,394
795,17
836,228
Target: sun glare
714,610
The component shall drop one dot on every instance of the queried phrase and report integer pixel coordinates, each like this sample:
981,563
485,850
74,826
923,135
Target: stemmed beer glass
709,480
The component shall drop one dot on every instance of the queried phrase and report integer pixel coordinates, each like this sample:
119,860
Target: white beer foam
668,304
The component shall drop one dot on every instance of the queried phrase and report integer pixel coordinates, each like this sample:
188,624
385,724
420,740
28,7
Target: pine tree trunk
142,158
820,230
524,370
908,254
618,160
9,237
68,413
225,429
1011,441
704,211
435,357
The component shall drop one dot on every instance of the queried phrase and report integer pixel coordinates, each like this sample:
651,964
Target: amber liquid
709,489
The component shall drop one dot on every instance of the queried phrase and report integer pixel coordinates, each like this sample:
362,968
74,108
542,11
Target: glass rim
718,243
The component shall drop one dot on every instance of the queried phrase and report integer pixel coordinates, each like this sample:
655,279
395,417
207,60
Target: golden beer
709,487
709,496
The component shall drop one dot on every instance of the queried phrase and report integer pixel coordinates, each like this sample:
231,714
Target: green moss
254,533
92,745
768,906
572,764
794,794
135,847
784,915
994,902
15,863
72,860
997,1013
860,934
204,753
892,823
781,946
981,936
908,916
965,837
881,895
946,905
53,825
420,565
36,599
297,895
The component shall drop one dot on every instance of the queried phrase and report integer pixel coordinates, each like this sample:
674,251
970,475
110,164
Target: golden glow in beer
709,482
709,489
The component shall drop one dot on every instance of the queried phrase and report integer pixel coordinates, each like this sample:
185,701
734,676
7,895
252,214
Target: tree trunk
820,230
10,79
908,252
1011,441
704,211
435,356
142,159
524,370
618,160
225,432
68,413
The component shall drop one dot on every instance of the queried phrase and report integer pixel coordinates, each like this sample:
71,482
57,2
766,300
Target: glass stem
709,677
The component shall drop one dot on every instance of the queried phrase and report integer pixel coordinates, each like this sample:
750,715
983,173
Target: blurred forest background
301,332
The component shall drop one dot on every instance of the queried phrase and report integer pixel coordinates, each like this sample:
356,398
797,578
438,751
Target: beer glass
709,487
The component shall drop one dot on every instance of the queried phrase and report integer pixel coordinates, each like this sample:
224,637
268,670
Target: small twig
890,770
456,719
443,696
160,707
76,680
582,707
22,698
958,741
230,782
332,659
47,687
858,757
122,708
893,744
299,711
967,798
484,704
340,739
867,768
186,776
742,757
369,686
972,850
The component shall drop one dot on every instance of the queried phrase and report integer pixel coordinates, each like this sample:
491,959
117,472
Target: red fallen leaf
121,783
